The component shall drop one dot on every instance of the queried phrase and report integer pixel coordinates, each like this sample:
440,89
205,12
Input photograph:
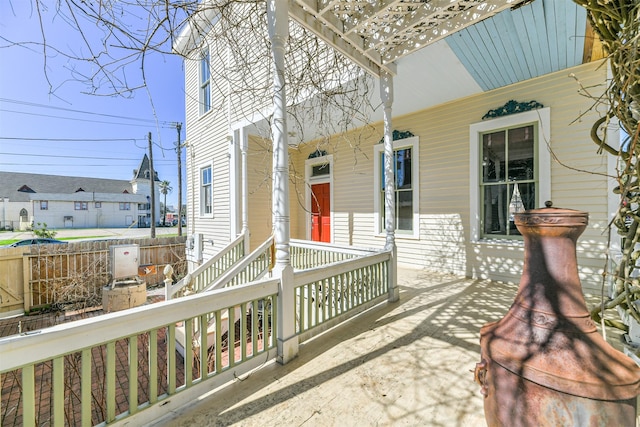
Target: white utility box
124,261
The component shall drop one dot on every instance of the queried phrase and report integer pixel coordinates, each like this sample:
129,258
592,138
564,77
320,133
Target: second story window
125,206
44,205
205,82
81,206
206,191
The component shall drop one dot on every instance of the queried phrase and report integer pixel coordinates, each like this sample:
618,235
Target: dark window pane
521,152
403,168
493,157
495,209
320,170
404,208
522,197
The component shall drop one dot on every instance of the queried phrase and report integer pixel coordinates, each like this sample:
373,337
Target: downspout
386,95
278,23
233,161
245,190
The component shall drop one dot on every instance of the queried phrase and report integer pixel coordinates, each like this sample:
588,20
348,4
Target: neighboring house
489,122
76,202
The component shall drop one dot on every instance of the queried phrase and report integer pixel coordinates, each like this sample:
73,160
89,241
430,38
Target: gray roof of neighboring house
144,171
12,182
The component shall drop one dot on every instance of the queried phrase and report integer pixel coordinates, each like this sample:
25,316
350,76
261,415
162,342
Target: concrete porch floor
408,363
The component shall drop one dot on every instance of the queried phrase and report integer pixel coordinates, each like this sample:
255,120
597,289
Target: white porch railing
110,367
126,365
209,271
324,295
252,267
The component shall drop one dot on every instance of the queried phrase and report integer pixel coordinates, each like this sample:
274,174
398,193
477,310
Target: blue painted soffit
515,45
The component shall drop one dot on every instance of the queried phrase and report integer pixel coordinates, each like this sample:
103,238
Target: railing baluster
28,396
231,336
58,391
85,387
218,361
133,374
243,331
204,346
188,352
153,366
171,358
255,317
110,379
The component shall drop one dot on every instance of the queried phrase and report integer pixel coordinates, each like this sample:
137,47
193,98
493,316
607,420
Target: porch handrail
341,267
332,247
306,254
210,270
249,265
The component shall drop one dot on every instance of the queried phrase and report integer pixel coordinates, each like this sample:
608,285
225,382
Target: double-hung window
510,171
125,206
405,170
81,206
205,82
508,181
44,205
206,191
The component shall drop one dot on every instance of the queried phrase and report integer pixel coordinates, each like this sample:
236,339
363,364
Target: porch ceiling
374,34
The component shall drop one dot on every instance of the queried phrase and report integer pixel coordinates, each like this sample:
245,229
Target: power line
76,157
75,119
15,138
66,157
33,104
55,164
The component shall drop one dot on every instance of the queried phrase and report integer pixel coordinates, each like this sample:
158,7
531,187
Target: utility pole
153,189
179,153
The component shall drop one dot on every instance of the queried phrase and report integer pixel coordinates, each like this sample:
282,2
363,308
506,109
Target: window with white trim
205,81
44,205
510,171
405,165
125,206
81,206
206,191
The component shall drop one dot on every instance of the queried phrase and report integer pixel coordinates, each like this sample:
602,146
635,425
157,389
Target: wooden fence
42,275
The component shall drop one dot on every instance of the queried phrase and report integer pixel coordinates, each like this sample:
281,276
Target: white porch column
244,146
278,23
386,95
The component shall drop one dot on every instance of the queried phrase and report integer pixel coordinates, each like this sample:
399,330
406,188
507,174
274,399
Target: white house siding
259,173
207,145
61,206
444,239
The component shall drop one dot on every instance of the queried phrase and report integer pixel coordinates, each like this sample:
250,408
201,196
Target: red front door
321,212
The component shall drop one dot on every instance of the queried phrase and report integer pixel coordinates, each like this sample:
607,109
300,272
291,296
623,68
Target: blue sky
61,130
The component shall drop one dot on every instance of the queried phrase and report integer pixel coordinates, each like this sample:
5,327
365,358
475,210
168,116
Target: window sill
205,114
518,243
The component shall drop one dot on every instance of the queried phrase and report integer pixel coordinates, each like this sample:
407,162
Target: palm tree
165,188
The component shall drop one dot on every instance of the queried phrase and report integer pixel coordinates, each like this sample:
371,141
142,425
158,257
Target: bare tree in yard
617,24
113,41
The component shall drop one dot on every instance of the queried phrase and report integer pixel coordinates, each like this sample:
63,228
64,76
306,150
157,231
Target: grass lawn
10,241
